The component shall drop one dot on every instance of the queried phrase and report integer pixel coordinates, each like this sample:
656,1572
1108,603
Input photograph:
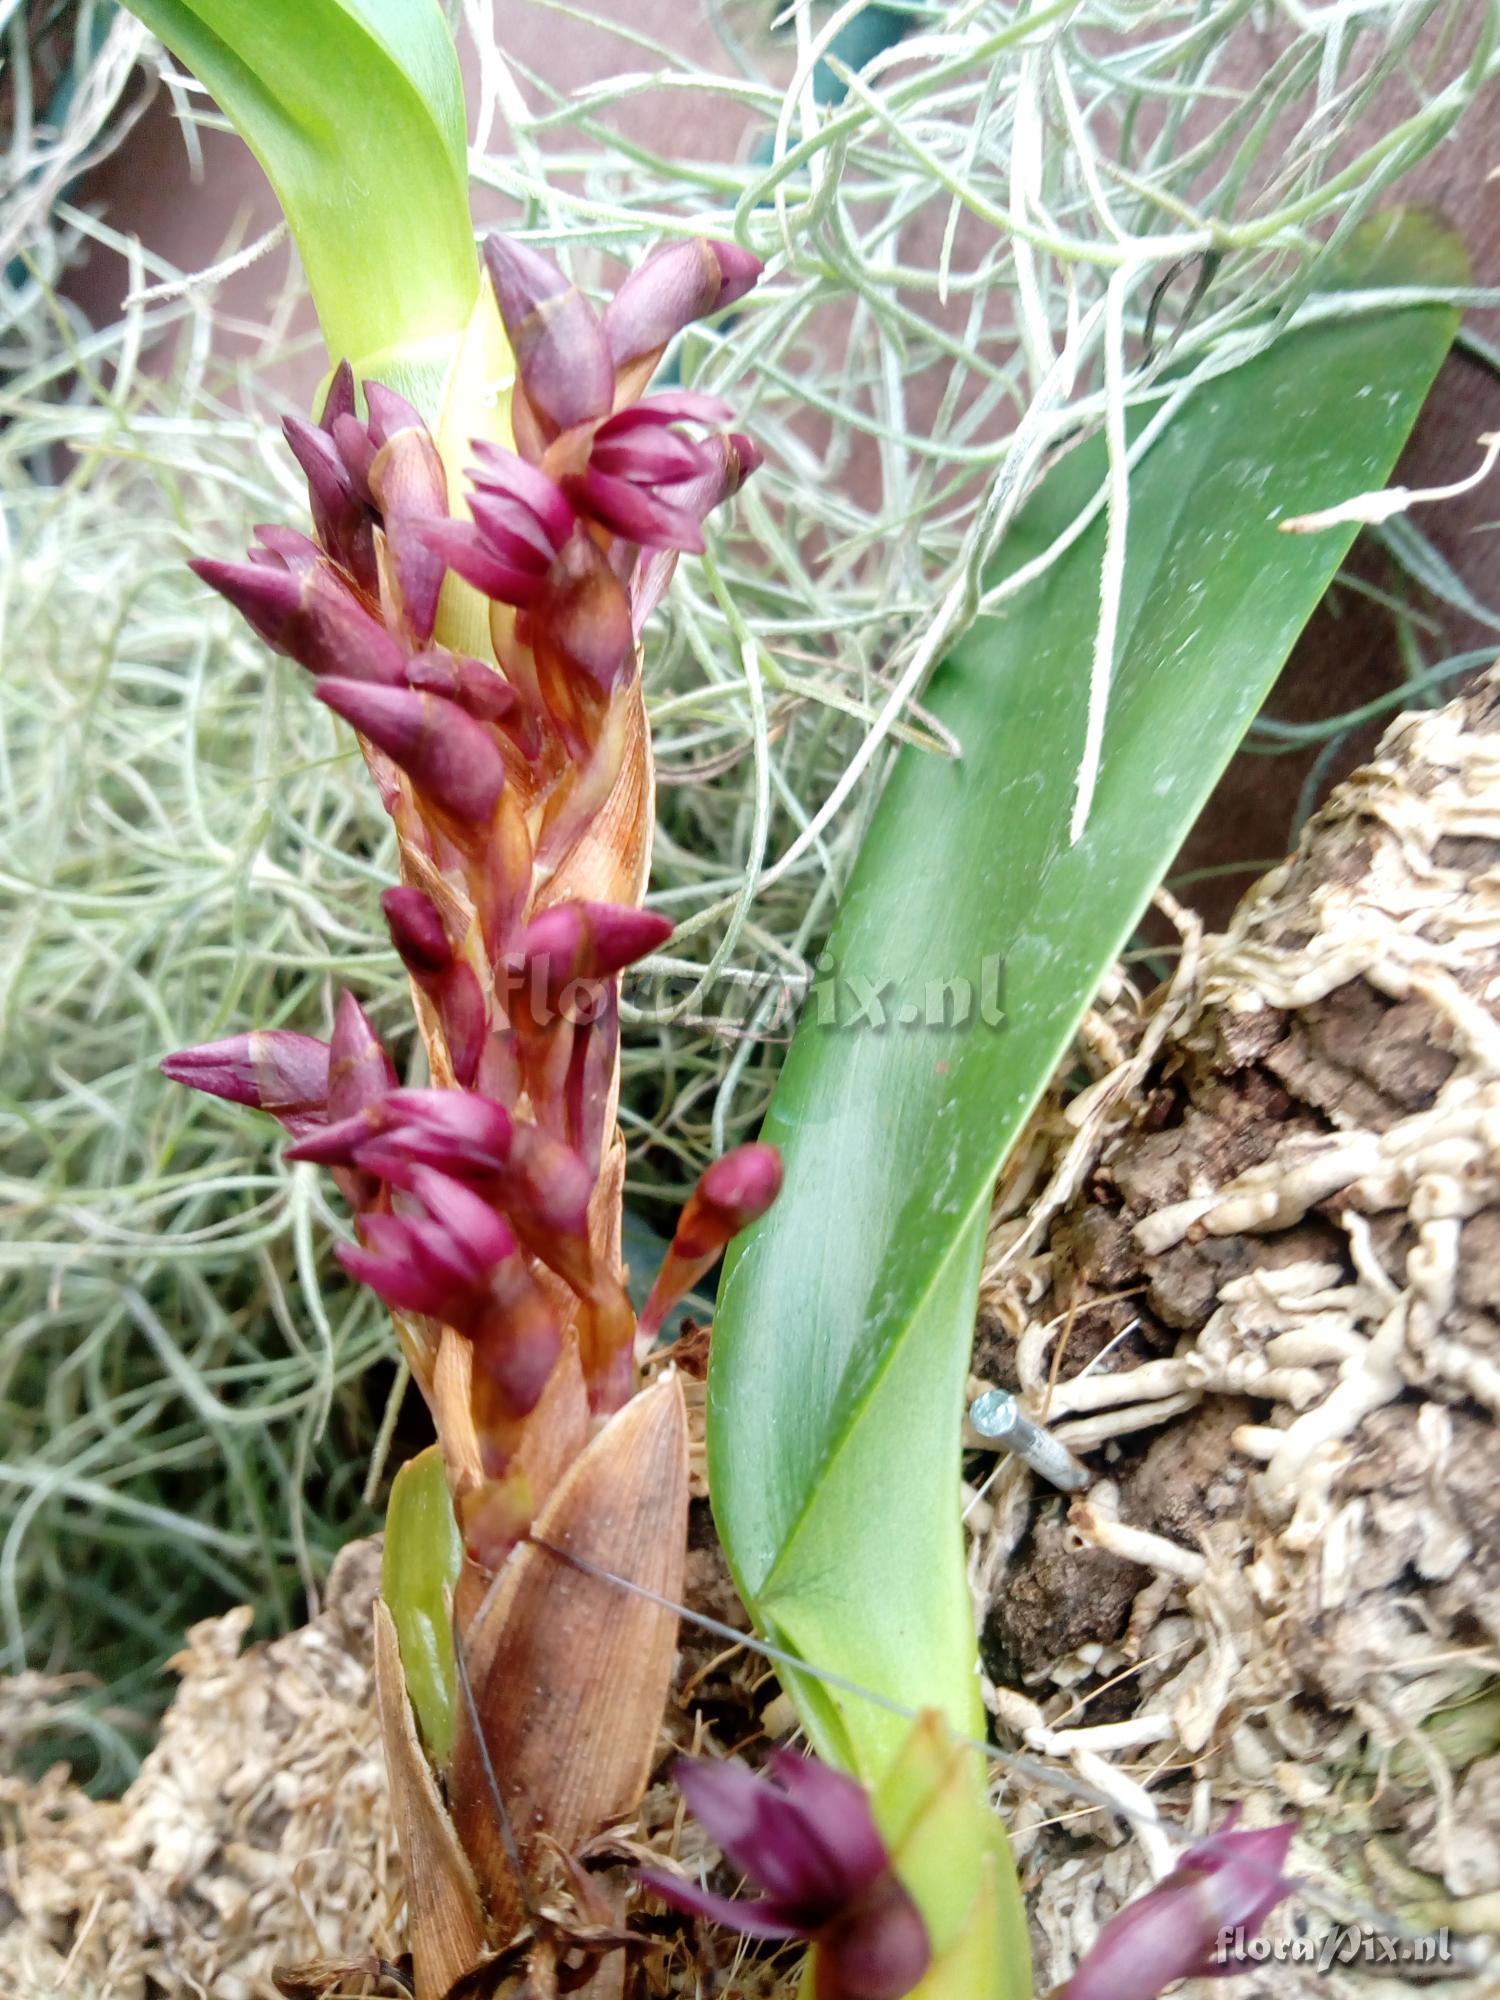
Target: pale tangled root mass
257,1832
1252,1273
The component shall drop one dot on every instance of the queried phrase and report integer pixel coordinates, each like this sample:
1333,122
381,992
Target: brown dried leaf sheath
578,1667
444,1920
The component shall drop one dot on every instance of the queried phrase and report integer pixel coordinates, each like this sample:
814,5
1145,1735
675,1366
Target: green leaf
419,1569
845,1319
355,110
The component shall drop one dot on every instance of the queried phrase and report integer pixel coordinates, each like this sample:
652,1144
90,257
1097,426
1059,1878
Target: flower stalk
487,1202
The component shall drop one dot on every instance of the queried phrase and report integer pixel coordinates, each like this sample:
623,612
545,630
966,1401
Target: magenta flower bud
392,1271
285,548
336,506
360,1073
562,354
467,1216
634,512
731,1194
339,402
547,1190
464,548
447,1260
578,940
647,454
581,620
336,1145
450,758
805,1835
271,1070
737,1190
485,694
512,532
410,487
669,406
733,458
1231,1881
677,283
417,931
501,474
356,449
456,1130
466,1020
390,413
268,598
311,616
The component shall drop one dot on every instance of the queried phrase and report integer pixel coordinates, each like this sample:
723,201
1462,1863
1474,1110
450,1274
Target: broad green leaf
419,1568
845,1319
355,110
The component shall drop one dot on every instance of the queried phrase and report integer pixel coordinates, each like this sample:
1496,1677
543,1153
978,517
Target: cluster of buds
487,1205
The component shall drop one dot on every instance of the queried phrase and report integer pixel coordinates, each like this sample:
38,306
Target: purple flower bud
410,487
513,533
455,1130
463,547
500,473
806,1836
335,504
1229,1881
356,449
734,458
669,406
634,512
311,616
467,1216
562,354
581,619
286,548
547,1189
578,940
677,283
731,1194
336,1145
417,931
270,1069
485,694
360,1072
647,454
393,1274
339,401
450,758
466,1020
390,413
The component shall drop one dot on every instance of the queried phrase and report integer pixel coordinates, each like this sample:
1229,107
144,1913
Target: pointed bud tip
417,931
744,1183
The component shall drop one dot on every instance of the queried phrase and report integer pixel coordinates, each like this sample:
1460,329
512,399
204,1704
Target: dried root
1252,1274
257,1833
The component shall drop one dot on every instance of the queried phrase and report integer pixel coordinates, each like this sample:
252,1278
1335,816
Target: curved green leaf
355,110
845,1319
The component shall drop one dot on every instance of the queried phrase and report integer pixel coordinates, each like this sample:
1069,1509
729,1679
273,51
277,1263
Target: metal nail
1000,1420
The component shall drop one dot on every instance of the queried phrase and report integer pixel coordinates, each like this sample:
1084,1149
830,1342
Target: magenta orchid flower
805,1835
1231,1881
